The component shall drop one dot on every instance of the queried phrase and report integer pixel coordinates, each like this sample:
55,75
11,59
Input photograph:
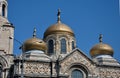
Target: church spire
3,8
58,15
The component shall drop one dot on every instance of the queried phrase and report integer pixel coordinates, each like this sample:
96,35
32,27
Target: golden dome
34,44
101,49
58,28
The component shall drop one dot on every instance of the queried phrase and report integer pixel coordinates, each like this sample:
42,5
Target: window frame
3,10
85,73
78,71
63,46
73,45
50,46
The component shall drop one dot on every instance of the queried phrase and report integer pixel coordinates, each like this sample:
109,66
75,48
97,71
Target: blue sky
87,18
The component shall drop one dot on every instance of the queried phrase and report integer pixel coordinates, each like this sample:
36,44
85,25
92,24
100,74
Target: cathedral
54,56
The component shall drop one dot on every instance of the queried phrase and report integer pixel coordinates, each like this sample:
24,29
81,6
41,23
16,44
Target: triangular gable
76,57
79,52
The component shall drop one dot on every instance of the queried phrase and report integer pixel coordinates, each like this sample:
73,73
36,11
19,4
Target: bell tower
3,8
6,42
6,30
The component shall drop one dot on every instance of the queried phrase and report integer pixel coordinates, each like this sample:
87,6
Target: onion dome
101,49
58,28
34,44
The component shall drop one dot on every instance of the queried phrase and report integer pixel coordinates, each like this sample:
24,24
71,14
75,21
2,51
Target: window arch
3,9
73,45
51,46
63,46
76,74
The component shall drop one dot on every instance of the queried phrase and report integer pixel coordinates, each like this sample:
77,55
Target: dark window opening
3,10
63,46
50,46
76,74
73,45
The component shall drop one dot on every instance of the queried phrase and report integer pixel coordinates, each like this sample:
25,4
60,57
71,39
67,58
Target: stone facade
109,72
6,43
61,59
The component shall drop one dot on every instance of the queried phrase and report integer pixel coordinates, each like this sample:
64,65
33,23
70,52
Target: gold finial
34,32
100,38
58,14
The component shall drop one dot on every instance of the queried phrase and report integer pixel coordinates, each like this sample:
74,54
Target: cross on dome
34,32
100,38
58,14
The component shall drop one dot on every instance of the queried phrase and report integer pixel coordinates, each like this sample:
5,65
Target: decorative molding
76,58
36,68
3,61
109,72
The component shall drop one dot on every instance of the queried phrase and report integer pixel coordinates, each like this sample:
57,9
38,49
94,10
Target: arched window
3,10
76,74
50,46
73,45
63,46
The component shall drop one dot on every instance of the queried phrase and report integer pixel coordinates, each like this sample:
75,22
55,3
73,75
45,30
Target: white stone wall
7,43
109,72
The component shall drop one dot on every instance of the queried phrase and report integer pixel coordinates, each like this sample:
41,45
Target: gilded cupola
34,44
59,37
101,49
58,28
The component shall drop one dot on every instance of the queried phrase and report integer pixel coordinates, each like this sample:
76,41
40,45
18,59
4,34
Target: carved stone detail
109,73
37,68
76,58
3,61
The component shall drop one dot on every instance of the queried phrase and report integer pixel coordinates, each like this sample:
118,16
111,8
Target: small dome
58,28
34,44
101,49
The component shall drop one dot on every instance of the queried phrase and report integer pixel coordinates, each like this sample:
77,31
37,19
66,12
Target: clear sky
87,18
